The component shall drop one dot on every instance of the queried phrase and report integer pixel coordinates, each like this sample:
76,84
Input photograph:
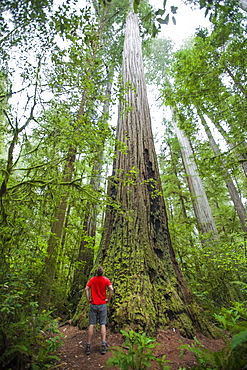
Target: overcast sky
187,20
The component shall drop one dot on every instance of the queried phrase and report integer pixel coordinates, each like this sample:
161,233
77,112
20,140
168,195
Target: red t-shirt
98,286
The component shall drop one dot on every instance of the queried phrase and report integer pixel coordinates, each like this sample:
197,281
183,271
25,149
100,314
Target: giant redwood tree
136,250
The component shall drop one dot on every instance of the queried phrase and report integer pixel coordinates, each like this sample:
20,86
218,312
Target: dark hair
99,271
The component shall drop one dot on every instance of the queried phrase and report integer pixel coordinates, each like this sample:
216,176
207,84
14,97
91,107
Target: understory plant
234,355
233,318
136,353
27,337
231,357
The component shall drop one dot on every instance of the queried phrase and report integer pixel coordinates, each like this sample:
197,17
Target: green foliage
234,318
234,355
214,269
139,353
26,336
231,357
65,85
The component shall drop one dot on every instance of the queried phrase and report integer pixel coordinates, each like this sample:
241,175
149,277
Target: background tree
200,263
205,220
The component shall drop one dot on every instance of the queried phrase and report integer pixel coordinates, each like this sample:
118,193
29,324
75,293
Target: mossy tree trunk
136,250
57,227
54,241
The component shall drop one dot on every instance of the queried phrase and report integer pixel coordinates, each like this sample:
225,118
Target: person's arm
110,288
87,292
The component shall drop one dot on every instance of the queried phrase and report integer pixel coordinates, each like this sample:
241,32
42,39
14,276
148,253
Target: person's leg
103,333
90,333
92,322
89,338
103,315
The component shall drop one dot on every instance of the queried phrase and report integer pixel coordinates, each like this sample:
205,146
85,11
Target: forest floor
72,352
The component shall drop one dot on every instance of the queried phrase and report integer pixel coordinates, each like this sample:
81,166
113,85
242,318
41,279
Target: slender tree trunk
203,213
183,208
48,275
240,149
86,250
54,241
136,251
234,195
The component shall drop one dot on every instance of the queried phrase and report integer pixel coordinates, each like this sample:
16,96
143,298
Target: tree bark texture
136,250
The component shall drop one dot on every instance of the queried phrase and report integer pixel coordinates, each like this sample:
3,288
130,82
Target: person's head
99,271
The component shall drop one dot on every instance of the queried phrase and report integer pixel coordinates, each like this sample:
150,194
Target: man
96,295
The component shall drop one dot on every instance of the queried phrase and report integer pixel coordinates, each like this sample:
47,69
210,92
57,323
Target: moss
185,326
80,317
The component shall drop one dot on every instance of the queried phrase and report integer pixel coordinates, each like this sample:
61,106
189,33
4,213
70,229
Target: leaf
174,9
155,31
238,339
202,3
164,4
163,21
135,5
147,17
174,20
160,12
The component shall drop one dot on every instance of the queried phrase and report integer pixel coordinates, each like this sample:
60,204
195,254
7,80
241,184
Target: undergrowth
136,353
28,338
234,355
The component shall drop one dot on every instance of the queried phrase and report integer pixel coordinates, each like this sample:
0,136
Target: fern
239,339
232,357
12,351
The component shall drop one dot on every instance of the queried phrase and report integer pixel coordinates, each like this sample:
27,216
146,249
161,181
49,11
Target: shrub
26,336
139,353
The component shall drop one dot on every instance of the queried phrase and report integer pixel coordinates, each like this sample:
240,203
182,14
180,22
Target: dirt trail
72,354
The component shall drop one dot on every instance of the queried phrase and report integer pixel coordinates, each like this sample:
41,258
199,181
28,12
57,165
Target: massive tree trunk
204,217
136,250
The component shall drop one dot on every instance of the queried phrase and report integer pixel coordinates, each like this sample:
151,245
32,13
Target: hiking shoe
103,349
87,350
